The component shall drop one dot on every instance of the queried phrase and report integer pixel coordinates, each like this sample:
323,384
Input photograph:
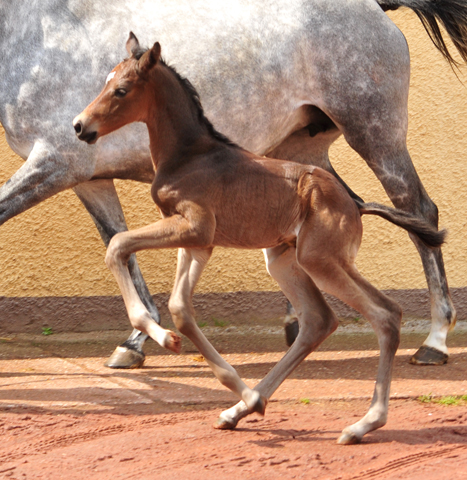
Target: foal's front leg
101,201
191,263
166,233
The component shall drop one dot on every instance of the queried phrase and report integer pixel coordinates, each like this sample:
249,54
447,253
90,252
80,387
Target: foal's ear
132,44
150,58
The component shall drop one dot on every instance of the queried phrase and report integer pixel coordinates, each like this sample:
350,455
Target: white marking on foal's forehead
110,76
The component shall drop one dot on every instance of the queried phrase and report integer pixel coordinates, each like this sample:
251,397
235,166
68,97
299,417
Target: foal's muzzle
81,132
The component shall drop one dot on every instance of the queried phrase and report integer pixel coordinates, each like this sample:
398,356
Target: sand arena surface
63,415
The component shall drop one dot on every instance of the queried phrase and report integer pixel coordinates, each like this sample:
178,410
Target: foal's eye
120,92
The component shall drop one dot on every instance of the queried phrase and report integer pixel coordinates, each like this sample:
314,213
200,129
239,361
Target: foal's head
123,99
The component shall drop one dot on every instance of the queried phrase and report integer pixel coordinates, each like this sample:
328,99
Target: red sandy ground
65,416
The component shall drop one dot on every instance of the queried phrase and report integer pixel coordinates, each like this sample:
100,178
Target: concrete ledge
82,314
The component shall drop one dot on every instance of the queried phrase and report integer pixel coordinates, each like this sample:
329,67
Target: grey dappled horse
282,78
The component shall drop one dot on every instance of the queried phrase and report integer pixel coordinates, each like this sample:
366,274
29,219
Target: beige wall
55,250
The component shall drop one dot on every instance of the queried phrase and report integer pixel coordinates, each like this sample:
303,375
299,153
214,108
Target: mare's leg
310,146
317,321
373,116
291,327
45,173
390,160
393,167
101,201
191,263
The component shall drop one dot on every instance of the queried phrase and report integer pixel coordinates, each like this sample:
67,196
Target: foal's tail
451,14
416,225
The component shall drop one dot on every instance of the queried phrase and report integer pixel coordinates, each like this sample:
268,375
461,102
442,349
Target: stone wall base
82,314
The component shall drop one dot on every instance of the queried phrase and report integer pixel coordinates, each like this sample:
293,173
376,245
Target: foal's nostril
84,133
78,128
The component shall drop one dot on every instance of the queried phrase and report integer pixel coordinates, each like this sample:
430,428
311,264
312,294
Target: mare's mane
190,90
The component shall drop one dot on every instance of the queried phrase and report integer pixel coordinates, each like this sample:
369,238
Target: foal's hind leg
191,263
317,321
309,146
338,276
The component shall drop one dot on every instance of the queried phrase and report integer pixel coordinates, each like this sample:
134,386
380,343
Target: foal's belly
247,230
253,241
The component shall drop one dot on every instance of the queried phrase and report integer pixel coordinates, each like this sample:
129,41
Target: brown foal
213,193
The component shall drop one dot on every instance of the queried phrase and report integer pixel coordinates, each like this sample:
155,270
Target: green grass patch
446,400
449,400
219,323
425,398
304,401
47,331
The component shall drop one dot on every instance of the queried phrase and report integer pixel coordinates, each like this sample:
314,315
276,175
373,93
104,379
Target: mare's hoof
426,355
291,332
348,438
223,424
124,357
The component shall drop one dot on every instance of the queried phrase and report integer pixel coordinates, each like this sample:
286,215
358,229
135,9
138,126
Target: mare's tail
416,225
451,14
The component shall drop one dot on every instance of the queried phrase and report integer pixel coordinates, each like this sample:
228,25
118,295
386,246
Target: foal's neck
176,130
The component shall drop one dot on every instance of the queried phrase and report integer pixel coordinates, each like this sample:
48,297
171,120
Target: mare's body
281,78
213,193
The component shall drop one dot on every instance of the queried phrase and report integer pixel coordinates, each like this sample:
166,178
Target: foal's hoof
291,332
260,406
173,342
348,438
224,424
124,357
426,355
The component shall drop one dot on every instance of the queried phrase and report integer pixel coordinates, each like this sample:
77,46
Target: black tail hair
451,14
428,234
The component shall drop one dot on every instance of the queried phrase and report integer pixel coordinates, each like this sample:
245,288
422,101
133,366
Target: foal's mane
190,90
